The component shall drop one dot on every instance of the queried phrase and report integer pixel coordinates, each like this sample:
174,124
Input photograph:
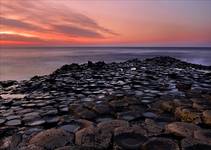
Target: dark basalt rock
188,114
152,127
168,106
86,114
2,120
194,144
72,128
160,144
12,117
7,102
131,129
74,125
36,122
82,111
5,142
92,137
16,140
7,83
14,122
129,115
137,104
172,62
70,148
31,147
207,117
67,68
130,141
184,86
96,66
51,119
204,135
201,104
129,137
149,115
182,129
174,75
10,142
112,124
102,109
51,139
199,147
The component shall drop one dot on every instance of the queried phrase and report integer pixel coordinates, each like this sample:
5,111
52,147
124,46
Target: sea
23,63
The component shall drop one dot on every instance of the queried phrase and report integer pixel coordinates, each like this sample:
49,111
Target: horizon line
105,47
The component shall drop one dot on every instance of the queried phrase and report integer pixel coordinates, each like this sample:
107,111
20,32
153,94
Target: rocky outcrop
159,103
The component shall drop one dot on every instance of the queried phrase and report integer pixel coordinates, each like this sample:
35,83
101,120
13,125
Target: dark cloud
86,21
108,31
68,30
81,19
15,37
19,24
76,31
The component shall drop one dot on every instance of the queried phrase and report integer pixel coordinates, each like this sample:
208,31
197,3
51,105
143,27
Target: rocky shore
160,103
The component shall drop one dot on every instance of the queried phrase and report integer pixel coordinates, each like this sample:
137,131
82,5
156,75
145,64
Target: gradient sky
105,22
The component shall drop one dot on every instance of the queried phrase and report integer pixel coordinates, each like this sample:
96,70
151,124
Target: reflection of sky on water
196,60
24,63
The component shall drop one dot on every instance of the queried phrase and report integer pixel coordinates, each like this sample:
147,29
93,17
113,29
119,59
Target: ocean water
24,63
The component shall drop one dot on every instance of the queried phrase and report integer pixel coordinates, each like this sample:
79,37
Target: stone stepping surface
159,103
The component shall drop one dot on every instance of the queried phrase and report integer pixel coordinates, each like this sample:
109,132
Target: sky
105,22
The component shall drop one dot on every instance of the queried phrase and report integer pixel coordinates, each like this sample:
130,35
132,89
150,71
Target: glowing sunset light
66,23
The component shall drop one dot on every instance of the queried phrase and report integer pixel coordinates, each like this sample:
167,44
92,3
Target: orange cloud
63,22
35,18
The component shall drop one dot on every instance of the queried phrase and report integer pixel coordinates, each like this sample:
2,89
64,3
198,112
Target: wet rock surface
159,103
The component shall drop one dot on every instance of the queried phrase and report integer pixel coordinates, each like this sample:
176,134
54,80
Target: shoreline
30,62
128,105
194,65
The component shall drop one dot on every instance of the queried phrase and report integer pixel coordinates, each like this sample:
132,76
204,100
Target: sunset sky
105,22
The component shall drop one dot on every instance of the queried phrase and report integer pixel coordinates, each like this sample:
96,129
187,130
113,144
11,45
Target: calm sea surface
24,63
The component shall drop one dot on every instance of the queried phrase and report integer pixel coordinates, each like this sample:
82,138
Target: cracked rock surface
159,103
